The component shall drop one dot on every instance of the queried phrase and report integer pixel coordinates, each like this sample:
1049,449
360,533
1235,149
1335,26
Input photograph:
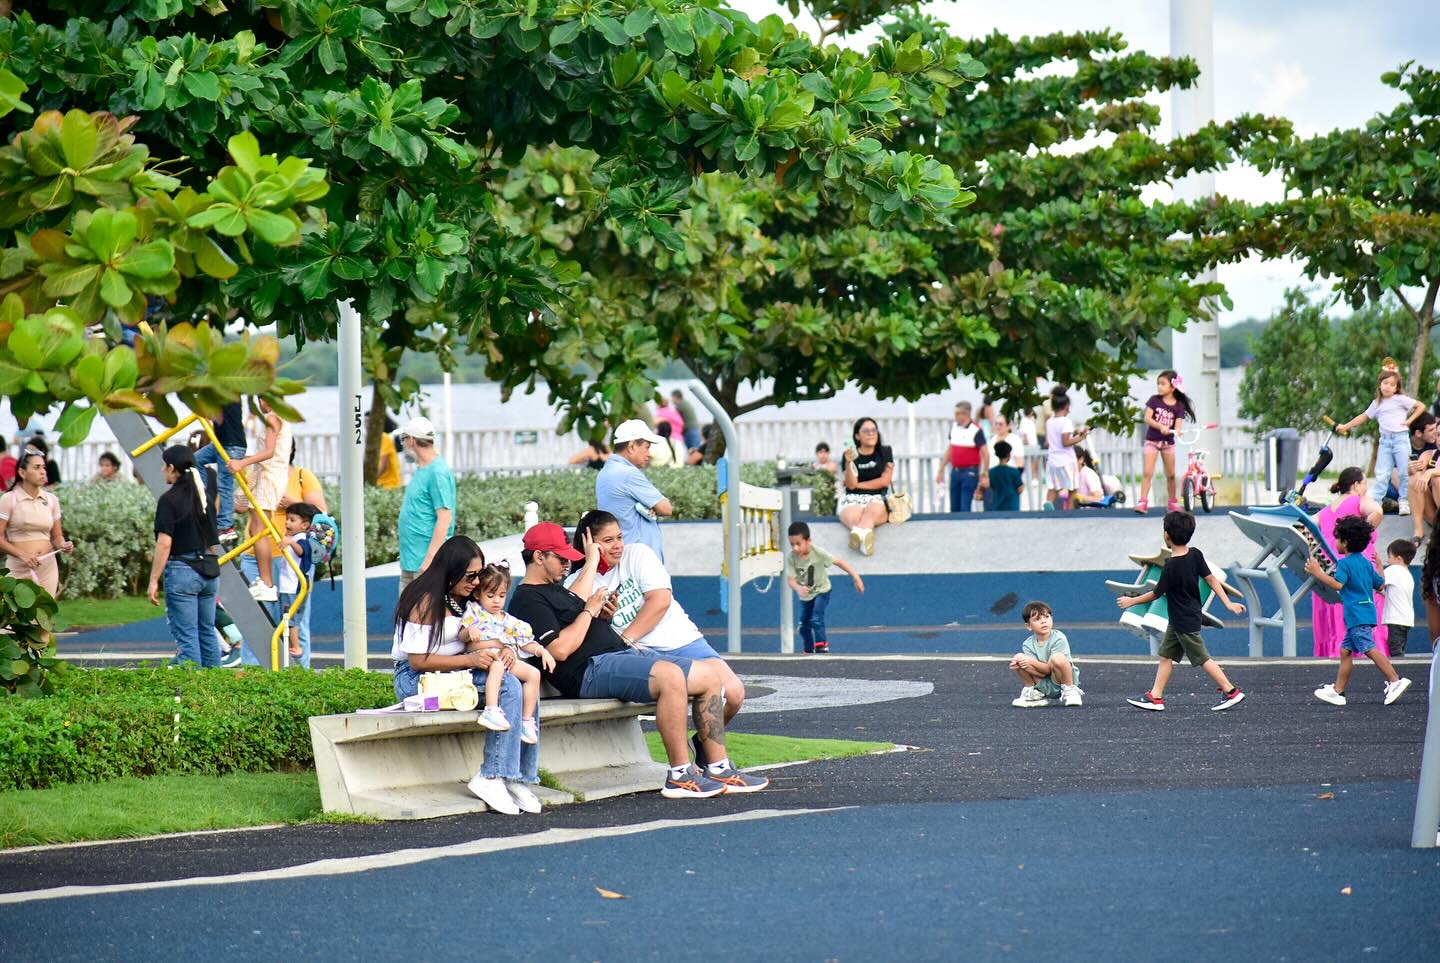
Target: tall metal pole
352,487
787,596
449,409
1196,350
1426,831
732,515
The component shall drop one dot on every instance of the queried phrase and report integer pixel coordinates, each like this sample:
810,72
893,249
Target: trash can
1282,459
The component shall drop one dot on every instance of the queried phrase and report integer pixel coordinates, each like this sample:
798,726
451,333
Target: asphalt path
1053,833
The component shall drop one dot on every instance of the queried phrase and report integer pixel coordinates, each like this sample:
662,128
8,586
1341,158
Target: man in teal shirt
427,515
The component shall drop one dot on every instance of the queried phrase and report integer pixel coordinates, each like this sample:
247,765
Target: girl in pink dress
1328,618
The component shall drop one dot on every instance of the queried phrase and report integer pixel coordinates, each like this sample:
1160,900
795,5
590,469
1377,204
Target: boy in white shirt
1399,593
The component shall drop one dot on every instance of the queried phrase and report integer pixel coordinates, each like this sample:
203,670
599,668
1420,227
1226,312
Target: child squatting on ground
808,569
500,630
1179,584
298,519
1044,664
1357,581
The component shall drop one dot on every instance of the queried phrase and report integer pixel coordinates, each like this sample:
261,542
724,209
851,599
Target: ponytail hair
182,459
1180,396
1347,479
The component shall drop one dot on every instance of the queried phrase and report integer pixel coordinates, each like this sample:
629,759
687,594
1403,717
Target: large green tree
1362,208
416,109
1309,364
1059,269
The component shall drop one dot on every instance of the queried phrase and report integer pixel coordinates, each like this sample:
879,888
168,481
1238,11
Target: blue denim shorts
623,675
1359,639
699,649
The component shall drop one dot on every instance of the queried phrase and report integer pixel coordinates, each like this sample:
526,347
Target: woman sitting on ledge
429,638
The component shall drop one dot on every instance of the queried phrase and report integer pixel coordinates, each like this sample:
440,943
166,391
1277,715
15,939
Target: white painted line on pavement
46,847
406,857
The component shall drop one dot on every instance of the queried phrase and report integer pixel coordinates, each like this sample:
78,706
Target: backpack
324,543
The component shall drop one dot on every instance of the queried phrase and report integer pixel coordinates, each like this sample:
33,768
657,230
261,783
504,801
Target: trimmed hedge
106,723
112,524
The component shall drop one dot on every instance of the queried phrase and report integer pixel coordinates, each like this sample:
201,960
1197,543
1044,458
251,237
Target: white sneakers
492,793
855,537
493,718
261,592
529,731
1031,698
522,795
508,796
1394,690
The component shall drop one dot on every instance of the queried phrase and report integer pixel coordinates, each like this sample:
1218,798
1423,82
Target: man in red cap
592,662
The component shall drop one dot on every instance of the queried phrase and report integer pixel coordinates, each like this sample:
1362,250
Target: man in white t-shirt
647,615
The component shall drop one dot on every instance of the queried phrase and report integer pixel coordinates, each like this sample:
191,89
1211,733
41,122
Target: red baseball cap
549,537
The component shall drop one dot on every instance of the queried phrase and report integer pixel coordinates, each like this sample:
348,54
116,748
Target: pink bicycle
1197,482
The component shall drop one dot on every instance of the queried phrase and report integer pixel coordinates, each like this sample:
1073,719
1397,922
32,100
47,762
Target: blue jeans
812,620
963,483
190,610
692,437
1394,455
224,481
506,756
251,568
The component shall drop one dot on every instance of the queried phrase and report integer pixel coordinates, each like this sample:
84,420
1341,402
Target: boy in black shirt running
1180,585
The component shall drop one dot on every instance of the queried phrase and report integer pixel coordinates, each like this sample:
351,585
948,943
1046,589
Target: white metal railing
487,451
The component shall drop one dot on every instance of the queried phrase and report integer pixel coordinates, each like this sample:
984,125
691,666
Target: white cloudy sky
1317,62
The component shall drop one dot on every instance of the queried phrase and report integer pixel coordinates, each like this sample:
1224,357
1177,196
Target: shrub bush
106,723
112,524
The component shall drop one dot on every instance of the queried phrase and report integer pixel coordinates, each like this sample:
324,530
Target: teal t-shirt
1057,644
431,488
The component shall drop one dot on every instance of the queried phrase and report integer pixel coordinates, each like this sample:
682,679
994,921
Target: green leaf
149,261
565,32
203,85
245,151
24,597
114,289
639,21
273,228
612,30
11,87
676,33
79,427
78,137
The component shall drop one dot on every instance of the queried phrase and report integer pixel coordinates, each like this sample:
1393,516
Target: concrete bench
414,765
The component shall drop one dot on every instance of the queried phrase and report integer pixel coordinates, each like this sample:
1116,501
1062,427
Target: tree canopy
418,109
1059,269
1363,207
1308,364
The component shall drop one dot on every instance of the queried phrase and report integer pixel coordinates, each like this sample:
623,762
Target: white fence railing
487,451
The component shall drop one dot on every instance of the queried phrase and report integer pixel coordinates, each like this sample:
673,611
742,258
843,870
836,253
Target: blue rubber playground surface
1278,830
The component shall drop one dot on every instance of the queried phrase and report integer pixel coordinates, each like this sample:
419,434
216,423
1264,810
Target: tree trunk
1417,357
374,428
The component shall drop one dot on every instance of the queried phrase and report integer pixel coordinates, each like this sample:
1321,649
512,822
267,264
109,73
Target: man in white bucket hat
427,515
622,489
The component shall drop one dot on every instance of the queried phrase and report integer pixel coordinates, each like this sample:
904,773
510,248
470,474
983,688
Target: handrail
265,520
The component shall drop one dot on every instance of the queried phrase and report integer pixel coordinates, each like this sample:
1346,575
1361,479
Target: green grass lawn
79,613
747,749
126,808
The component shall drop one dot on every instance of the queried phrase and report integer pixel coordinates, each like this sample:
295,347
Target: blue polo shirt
431,488
618,487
